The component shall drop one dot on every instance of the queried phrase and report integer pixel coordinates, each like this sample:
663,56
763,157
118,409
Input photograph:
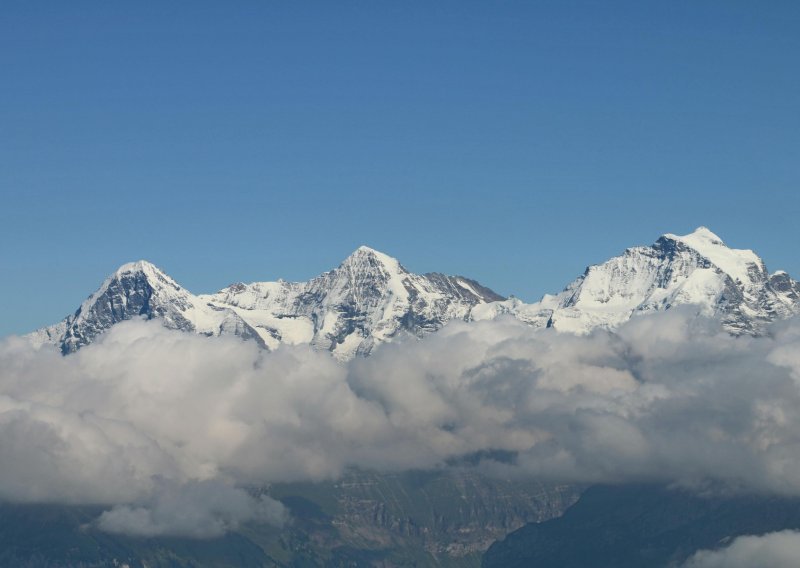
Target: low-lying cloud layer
150,421
772,550
197,509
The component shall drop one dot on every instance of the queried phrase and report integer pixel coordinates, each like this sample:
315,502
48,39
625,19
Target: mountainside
423,519
415,518
140,289
696,269
371,298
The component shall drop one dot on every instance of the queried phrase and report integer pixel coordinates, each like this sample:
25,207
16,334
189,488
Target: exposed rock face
435,518
139,289
696,269
431,519
371,298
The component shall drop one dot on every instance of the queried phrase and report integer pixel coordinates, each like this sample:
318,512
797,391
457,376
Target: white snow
643,279
734,262
369,298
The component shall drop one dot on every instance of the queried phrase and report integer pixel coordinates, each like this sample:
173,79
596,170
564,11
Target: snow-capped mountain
697,269
369,299
139,289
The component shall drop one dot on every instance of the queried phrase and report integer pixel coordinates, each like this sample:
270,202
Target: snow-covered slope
696,269
139,289
369,299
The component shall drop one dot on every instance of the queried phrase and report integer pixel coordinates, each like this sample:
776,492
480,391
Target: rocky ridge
371,299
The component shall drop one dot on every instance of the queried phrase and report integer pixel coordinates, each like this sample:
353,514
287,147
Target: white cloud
197,509
668,398
773,550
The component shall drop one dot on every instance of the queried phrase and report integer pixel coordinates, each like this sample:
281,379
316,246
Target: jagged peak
150,271
364,249
701,235
734,262
709,244
364,252
137,266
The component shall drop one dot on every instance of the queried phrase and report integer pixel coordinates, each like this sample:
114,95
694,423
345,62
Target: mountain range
440,518
370,299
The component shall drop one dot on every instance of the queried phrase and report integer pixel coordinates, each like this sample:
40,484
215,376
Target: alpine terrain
696,269
370,299
444,518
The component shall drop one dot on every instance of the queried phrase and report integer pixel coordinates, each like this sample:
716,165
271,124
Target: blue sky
514,142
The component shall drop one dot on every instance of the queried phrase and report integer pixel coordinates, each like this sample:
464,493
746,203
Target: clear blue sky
514,142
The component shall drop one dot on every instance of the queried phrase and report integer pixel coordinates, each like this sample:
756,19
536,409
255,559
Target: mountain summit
140,289
697,269
370,299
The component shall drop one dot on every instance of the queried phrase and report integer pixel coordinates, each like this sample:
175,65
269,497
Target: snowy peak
365,278
138,266
158,280
140,289
147,270
365,251
741,265
370,298
700,235
136,289
366,262
697,269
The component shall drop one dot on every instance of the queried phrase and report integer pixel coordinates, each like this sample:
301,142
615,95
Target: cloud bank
199,509
773,550
149,421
